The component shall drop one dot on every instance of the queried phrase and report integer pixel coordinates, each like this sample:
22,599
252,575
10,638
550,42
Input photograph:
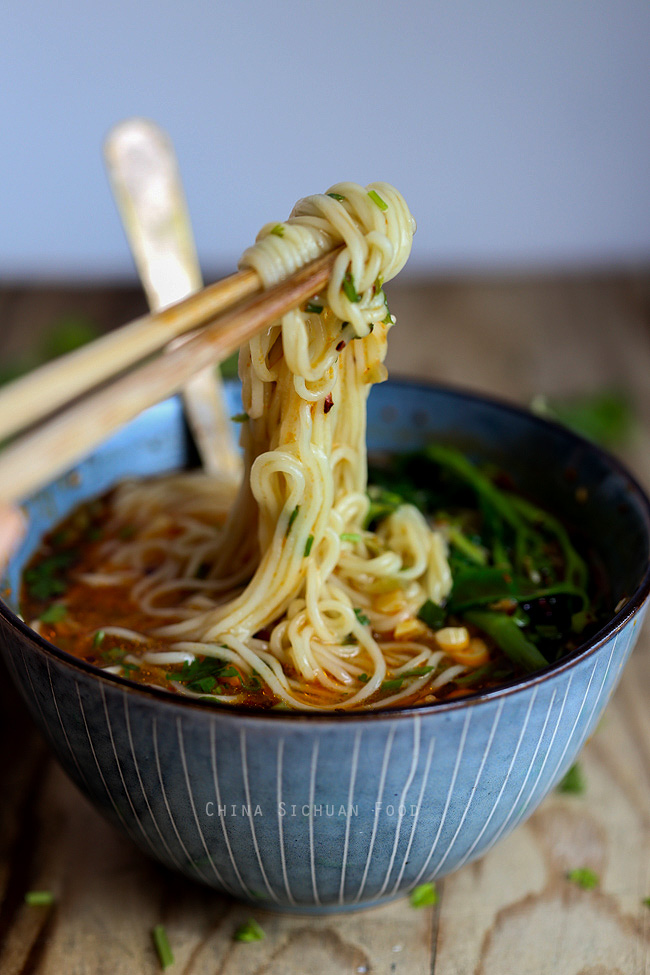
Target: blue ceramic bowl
311,813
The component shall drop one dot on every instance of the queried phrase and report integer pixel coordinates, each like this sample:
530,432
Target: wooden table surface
511,913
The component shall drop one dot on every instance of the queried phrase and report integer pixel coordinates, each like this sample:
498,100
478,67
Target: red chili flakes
329,403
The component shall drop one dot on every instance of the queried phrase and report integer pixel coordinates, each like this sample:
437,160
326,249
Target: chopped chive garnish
313,308
424,895
375,197
363,678
308,545
292,518
278,230
361,616
417,671
584,877
39,898
54,613
350,537
349,288
394,684
161,944
573,781
240,418
336,196
249,931
99,638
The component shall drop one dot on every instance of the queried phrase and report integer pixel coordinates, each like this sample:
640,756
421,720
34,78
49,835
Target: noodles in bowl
293,592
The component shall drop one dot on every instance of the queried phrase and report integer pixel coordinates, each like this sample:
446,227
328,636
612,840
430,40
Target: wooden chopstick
47,451
27,400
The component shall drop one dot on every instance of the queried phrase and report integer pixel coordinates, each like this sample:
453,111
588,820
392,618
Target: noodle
292,589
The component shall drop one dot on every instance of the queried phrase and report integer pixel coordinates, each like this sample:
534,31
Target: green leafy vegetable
249,931
433,615
424,895
606,417
161,944
508,636
54,613
584,877
46,580
574,781
229,368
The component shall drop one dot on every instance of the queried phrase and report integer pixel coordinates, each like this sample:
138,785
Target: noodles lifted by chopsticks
296,592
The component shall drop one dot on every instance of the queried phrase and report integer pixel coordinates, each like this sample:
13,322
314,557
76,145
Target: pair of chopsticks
63,410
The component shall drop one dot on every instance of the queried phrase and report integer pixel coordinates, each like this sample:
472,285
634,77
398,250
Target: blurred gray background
518,132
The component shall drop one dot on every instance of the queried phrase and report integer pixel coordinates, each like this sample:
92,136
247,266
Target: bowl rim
583,651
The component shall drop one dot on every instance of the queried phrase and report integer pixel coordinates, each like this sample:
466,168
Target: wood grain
513,912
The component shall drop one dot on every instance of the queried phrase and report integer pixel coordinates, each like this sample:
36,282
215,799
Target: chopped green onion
292,518
161,944
391,685
313,308
361,616
240,418
432,614
249,931
39,898
424,895
363,678
375,197
278,230
54,613
584,877
350,537
308,545
99,638
646,901
573,781
336,196
349,288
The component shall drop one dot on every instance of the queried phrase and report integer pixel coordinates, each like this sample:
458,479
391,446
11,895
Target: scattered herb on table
584,877
574,781
39,898
249,931
161,944
424,895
